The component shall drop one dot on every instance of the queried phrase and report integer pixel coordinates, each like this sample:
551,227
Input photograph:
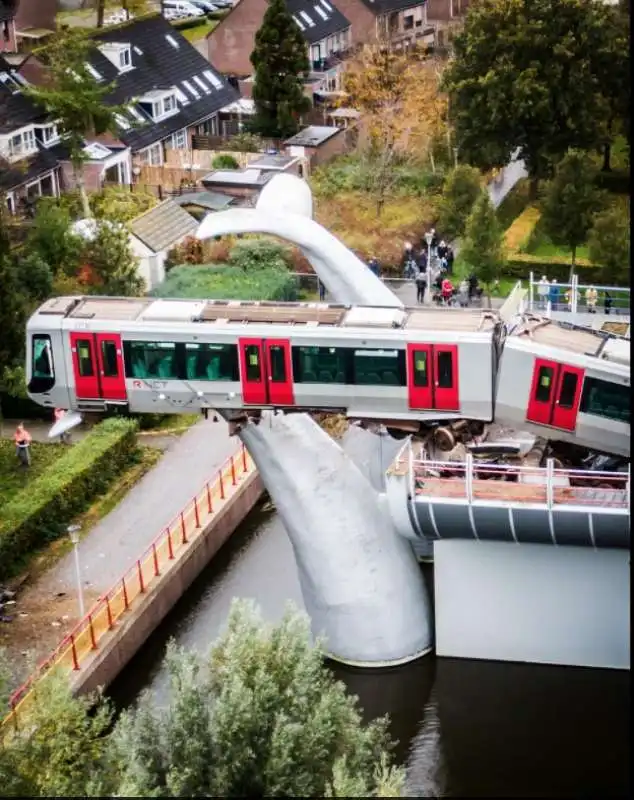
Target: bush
41,512
521,265
258,254
616,182
461,190
518,234
225,161
118,204
245,143
189,251
219,282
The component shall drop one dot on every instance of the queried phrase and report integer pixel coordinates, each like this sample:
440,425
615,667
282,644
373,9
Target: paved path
121,536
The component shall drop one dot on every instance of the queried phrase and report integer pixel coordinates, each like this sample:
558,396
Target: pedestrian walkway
48,608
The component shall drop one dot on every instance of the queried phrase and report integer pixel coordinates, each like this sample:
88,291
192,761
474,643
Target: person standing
446,290
607,303
442,249
22,439
553,295
421,286
374,266
463,293
449,255
322,291
543,290
58,415
591,299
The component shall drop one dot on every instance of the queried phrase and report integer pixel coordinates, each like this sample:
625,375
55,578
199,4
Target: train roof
313,315
573,339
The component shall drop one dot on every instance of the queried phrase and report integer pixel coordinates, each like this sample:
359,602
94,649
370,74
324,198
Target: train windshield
42,369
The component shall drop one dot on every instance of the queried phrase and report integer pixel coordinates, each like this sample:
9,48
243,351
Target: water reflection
464,728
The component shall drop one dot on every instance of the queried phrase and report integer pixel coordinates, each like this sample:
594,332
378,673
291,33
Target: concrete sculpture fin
283,212
361,583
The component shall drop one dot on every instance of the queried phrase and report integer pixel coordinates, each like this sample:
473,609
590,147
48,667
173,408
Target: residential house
29,167
402,22
24,23
316,144
230,44
170,90
154,233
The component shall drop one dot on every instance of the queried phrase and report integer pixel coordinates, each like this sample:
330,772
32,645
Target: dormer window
22,144
119,54
159,103
48,134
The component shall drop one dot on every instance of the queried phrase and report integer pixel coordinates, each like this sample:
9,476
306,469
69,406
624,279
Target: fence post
575,289
469,477
93,641
74,652
530,291
550,466
209,503
140,574
244,459
155,557
109,612
126,604
196,514
222,486
170,549
183,529
233,472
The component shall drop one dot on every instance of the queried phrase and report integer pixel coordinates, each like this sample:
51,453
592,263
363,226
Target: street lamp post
73,532
428,238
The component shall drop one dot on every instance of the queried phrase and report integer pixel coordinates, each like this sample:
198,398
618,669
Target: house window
408,23
316,52
153,156
125,60
22,143
331,44
49,134
169,104
179,140
156,110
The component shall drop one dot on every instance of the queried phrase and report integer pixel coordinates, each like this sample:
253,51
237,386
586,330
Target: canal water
464,728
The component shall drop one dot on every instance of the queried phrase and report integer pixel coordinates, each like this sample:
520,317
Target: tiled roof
214,201
161,63
16,111
14,175
387,6
161,227
317,19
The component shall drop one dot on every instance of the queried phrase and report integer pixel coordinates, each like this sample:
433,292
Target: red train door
85,367
446,384
543,387
568,398
110,362
419,375
280,372
253,372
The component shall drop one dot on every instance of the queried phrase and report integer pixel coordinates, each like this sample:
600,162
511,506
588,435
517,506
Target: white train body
394,365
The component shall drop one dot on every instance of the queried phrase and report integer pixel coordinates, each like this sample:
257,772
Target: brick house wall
230,44
316,156
92,176
36,14
362,20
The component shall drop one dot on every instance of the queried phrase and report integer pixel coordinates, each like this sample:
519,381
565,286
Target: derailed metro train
398,366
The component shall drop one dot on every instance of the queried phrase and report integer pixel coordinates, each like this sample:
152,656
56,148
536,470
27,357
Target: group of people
549,292
439,257
23,439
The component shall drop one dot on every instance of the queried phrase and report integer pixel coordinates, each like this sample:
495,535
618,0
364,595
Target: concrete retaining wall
130,634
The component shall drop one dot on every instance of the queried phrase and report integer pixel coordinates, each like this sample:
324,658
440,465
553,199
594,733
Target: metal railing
618,297
84,639
473,481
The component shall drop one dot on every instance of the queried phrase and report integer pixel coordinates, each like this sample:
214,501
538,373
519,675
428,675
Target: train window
278,363
419,366
84,358
544,384
606,399
568,390
211,362
445,369
151,360
321,364
109,359
379,367
42,356
252,358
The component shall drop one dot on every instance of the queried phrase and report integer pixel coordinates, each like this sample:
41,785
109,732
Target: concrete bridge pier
361,583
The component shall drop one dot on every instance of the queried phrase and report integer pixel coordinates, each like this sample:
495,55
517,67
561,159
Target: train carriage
404,367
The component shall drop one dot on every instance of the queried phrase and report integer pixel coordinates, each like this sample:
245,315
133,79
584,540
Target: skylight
172,41
300,24
182,97
122,122
321,12
202,85
92,71
136,113
138,50
194,92
213,79
326,5
307,19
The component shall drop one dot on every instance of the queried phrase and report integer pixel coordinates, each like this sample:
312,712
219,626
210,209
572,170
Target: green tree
462,188
75,99
113,268
609,245
280,61
483,246
529,75
121,205
51,239
260,717
571,202
13,304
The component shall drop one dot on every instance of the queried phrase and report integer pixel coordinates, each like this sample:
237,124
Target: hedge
520,265
42,511
518,233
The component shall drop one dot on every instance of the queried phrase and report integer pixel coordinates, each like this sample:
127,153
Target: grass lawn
14,478
199,31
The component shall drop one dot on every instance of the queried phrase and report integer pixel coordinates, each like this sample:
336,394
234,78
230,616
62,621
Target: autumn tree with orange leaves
402,110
